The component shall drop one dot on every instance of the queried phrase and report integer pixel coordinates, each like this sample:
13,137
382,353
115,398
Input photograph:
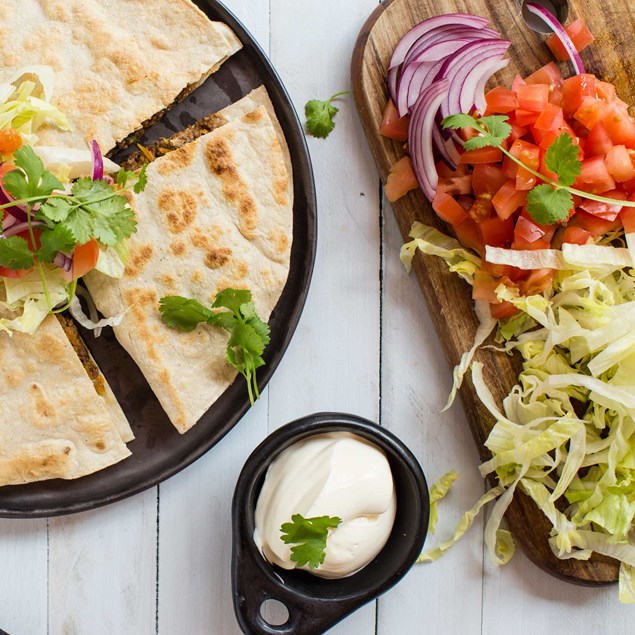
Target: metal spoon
559,8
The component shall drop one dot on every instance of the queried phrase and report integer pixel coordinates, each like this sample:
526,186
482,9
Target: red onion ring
16,228
552,22
98,161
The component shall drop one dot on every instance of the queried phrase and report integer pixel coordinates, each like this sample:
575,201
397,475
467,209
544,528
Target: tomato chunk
575,89
508,199
496,231
576,235
393,126
579,34
619,163
401,180
84,259
533,97
10,141
500,100
482,155
448,209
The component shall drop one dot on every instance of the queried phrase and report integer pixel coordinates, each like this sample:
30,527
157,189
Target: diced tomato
521,244
84,260
469,235
629,186
482,155
517,131
10,141
527,230
456,185
548,74
619,163
500,100
607,211
497,270
508,199
597,141
551,118
465,202
595,225
525,117
529,155
619,125
590,112
579,34
448,209
605,91
543,169
401,180
533,97
575,89
487,178
484,287
503,310
594,177
497,232
576,235
444,171
518,81
537,281
628,219
393,126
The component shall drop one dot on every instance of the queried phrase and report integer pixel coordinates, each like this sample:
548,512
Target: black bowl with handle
316,604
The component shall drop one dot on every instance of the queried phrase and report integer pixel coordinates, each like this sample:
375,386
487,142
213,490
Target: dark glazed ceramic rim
316,604
159,451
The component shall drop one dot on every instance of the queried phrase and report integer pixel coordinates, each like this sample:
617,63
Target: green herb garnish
551,201
309,537
319,116
248,333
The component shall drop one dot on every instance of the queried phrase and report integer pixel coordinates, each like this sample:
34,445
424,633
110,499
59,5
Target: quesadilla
217,212
117,64
53,422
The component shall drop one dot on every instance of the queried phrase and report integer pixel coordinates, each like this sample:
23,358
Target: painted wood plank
522,599
23,576
333,360
195,506
415,383
102,569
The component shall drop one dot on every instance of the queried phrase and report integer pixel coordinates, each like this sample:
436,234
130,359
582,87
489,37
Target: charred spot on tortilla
177,247
180,159
138,258
179,207
220,162
217,258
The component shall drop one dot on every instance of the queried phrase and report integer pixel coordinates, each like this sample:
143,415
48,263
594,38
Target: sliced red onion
552,22
16,228
63,261
17,211
419,31
479,92
446,148
7,221
98,161
414,79
420,136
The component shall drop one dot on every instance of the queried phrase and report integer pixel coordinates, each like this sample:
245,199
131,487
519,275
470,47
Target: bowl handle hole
274,612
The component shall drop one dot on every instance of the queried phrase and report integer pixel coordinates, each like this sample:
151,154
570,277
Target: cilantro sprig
309,537
92,209
319,116
552,200
248,333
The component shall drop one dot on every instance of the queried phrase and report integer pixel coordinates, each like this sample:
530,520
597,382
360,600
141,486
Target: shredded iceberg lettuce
565,434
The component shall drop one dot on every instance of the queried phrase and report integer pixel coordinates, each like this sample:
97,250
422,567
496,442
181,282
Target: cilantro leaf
309,537
79,223
29,179
547,205
142,180
181,313
562,158
56,209
493,129
232,299
15,253
319,116
52,241
248,333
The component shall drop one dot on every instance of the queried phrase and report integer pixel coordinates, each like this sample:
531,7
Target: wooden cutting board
448,298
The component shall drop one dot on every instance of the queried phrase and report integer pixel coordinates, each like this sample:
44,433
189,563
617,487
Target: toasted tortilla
53,424
216,213
117,64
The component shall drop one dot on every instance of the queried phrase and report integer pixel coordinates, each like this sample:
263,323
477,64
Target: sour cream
333,474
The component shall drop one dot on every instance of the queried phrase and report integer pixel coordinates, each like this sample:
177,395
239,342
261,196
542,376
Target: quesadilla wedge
117,63
53,423
217,212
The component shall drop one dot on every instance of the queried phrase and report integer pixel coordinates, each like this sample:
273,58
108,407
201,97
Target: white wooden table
160,562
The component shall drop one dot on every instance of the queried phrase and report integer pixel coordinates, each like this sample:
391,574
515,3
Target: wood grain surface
448,297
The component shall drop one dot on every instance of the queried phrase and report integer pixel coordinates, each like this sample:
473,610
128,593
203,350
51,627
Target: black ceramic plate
158,450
